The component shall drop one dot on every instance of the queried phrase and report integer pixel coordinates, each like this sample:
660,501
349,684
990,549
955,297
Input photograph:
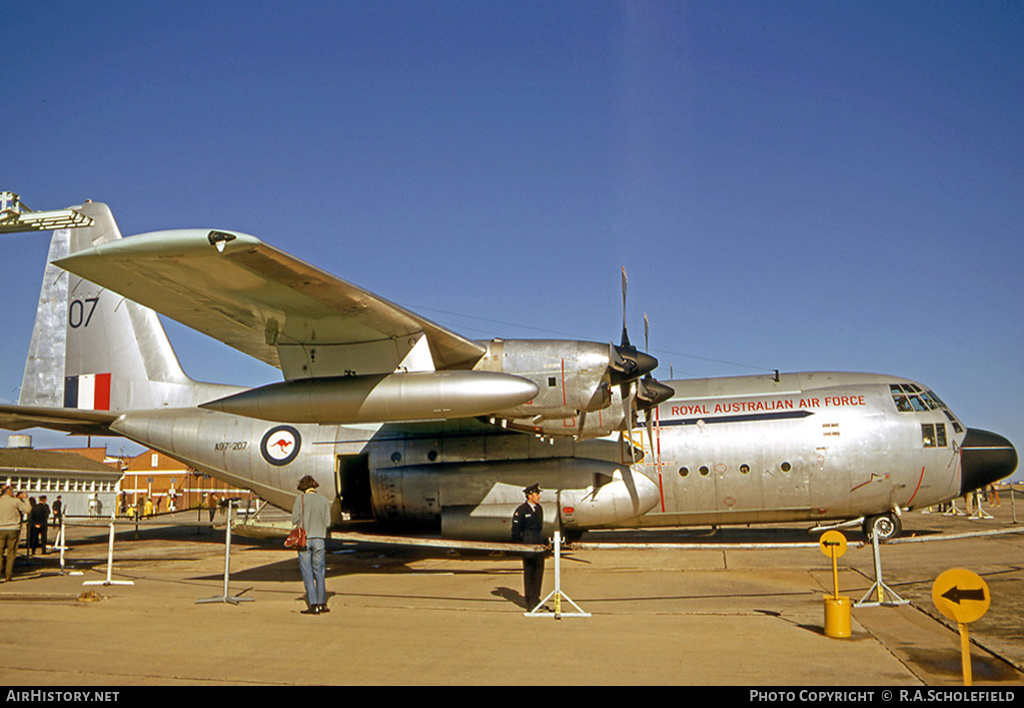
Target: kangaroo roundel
280,445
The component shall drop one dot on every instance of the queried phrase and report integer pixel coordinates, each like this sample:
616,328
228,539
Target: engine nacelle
572,376
580,424
476,500
580,384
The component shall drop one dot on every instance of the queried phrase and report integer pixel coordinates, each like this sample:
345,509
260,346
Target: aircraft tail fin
91,348
43,381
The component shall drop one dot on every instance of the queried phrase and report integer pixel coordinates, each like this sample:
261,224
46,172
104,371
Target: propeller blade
626,361
631,403
649,424
625,337
616,361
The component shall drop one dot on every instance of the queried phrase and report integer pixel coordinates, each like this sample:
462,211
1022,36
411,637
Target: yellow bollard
837,617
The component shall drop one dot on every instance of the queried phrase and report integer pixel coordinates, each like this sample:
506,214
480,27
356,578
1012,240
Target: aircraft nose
985,458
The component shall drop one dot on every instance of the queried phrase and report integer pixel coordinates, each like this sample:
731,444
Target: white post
60,543
557,593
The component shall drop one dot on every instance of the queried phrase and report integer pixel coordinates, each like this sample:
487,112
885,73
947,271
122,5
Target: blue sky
801,186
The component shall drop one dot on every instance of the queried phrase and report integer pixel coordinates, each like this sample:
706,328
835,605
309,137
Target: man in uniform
527,527
38,526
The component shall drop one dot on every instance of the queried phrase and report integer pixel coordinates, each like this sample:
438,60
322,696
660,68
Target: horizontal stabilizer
77,422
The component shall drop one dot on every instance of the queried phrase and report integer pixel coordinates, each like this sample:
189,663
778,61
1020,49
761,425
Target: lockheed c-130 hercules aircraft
403,421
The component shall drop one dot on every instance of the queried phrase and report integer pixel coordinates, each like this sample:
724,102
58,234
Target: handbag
297,538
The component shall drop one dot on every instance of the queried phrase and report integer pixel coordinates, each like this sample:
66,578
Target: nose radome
985,458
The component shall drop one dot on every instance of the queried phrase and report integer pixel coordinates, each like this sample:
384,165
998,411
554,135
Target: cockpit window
956,425
933,435
911,397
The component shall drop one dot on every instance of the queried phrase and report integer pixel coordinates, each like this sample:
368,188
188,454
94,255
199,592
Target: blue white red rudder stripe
87,392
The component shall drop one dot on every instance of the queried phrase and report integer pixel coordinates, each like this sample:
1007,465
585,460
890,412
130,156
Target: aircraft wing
269,304
77,422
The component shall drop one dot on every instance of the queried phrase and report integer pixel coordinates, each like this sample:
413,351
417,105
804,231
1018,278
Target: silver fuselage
809,446
812,446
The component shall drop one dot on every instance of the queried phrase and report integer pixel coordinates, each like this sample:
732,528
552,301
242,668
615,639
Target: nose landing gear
884,526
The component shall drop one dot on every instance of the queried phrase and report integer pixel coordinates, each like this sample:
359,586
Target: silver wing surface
270,305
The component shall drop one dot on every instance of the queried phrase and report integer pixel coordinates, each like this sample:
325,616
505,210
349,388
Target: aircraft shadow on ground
343,560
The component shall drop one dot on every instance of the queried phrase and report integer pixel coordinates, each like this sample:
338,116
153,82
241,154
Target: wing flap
256,298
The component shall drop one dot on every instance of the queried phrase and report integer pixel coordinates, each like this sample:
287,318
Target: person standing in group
528,527
313,513
11,509
39,522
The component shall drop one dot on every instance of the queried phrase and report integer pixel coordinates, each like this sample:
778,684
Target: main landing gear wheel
886,526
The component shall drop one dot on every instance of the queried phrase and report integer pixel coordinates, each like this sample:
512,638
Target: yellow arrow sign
832,543
961,595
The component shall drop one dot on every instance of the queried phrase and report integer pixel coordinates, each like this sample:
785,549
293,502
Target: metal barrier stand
557,593
59,545
880,587
110,561
233,599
